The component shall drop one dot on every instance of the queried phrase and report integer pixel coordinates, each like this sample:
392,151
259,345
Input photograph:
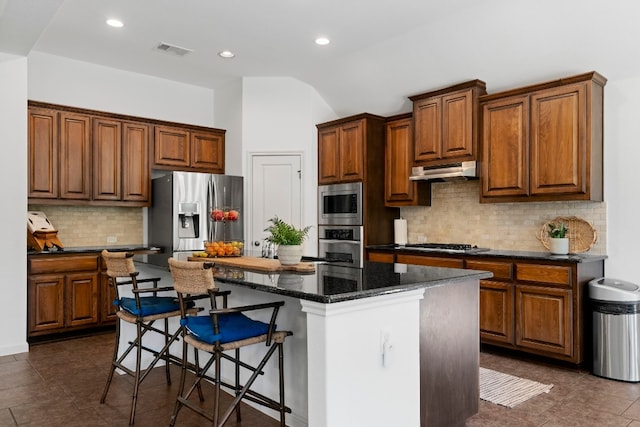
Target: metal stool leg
136,384
113,363
167,363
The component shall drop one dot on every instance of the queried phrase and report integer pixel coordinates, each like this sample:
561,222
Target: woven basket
582,236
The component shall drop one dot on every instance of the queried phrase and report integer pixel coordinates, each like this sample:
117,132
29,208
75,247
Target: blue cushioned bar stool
225,329
141,311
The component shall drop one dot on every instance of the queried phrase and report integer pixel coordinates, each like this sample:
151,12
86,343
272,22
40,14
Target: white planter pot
289,254
559,246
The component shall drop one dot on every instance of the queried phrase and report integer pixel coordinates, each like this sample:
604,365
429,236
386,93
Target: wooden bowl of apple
224,215
222,248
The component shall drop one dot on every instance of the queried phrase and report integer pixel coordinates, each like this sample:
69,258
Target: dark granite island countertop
331,283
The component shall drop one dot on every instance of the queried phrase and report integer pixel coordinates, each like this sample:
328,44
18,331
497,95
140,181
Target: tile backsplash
95,225
457,216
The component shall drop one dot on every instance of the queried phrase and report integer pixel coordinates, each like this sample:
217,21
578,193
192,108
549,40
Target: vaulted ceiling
381,51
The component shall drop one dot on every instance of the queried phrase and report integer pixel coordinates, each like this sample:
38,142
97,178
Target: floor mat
507,390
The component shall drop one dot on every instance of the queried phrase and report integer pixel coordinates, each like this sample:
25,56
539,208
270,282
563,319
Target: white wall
279,116
228,114
80,84
622,184
13,264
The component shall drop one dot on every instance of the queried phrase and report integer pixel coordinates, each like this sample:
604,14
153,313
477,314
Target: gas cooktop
444,247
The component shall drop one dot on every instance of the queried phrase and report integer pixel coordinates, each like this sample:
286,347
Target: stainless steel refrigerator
189,208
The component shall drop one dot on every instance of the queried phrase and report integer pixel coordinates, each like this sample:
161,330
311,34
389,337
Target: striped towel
507,390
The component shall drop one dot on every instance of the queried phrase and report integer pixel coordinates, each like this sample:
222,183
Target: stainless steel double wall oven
340,225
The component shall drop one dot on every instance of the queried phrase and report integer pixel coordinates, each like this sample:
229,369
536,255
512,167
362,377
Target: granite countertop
331,283
528,255
138,249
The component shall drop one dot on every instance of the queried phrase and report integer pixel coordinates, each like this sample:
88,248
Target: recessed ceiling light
115,23
226,54
322,41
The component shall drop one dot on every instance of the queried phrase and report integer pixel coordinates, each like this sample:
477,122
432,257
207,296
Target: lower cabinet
533,306
496,311
64,294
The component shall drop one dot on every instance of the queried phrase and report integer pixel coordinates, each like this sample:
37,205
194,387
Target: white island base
407,359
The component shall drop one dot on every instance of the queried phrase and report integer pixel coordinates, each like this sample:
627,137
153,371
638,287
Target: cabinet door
505,142
457,125
107,159
135,162
496,311
398,161
171,147
544,319
75,156
107,296
328,156
81,299
351,137
207,151
45,304
427,119
559,156
43,153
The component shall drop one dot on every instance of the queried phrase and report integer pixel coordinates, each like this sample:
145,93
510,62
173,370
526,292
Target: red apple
217,215
233,215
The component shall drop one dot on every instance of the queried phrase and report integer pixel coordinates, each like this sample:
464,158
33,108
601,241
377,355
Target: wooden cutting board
259,264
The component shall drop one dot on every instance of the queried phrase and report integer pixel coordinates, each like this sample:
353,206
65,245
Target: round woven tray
582,236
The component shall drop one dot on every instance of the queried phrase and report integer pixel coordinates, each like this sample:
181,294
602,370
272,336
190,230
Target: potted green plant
288,240
558,240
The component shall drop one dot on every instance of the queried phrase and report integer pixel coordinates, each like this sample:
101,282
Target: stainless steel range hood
455,171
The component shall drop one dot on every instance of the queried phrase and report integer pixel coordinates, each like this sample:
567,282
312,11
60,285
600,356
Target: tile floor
60,383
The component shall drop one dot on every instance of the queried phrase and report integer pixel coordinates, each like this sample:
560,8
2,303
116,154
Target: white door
275,188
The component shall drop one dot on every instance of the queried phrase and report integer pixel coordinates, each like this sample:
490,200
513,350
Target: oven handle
352,242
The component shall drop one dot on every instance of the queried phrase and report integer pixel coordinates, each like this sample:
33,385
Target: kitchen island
378,346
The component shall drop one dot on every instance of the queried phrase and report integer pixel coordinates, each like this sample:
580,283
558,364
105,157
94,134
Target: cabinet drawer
429,261
500,270
63,264
381,257
550,274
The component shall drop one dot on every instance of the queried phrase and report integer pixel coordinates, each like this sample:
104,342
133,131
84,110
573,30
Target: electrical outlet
112,239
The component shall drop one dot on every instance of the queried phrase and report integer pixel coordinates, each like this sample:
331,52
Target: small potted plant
558,240
288,239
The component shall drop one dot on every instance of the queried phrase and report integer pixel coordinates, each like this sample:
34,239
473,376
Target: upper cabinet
87,157
399,190
59,155
348,147
120,160
446,124
189,149
544,142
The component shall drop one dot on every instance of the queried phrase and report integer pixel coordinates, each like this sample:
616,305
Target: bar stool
222,330
141,311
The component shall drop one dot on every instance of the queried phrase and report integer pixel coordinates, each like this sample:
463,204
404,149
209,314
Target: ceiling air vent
173,49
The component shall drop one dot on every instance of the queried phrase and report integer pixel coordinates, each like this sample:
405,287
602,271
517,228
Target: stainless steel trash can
616,329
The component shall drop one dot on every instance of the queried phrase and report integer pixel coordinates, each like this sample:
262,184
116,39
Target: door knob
256,243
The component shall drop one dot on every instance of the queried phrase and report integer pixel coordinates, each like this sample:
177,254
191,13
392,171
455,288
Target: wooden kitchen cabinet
496,311
532,306
85,157
121,161
544,319
43,153
59,155
348,147
63,293
399,189
544,142
188,149
446,124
